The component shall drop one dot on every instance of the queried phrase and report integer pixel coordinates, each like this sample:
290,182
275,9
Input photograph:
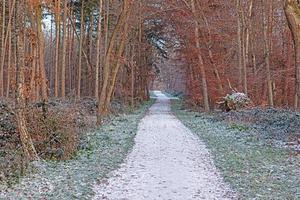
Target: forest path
167,162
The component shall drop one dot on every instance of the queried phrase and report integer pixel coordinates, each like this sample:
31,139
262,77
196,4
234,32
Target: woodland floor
256,150
74,179
251,154
167,162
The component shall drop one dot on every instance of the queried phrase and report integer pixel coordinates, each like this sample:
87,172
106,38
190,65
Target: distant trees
245,44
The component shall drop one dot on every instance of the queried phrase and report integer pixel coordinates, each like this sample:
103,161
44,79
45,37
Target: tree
80,51
111,68
26,140
201,62
64,48
98,50
292,11
57,42
267,14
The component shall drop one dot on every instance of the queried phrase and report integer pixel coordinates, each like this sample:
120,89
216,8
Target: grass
75,178
254,168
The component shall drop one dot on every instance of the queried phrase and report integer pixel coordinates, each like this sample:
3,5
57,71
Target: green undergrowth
254,168
74,179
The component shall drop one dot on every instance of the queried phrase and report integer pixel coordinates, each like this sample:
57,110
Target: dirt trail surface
167,163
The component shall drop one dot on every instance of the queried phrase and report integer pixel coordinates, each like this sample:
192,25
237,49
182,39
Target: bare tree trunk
26,140
292,11
52,56
288,66
248,33
132,82
98,50
119,55
201,63
57,39
70,53
103,107
267,54
33,74
91,47
41,51
64,48
239,41
210,54
9,59
107,25
80,52
244,41
7,39
2,48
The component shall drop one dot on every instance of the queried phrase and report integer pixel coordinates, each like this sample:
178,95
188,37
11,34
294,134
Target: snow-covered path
167,163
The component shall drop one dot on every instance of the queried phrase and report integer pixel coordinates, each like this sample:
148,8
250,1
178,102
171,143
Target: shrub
234,101
55,129
54,133
12,162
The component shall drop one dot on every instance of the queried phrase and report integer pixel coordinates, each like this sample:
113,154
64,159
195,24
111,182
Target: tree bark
267,53
119,55
64,53
80,52
201,62
98,50
57,40
210,54
7,40
26,140
103,107
3,46
41,52
292,11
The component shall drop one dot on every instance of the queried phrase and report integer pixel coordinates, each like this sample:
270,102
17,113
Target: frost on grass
278,127
255,166
74,179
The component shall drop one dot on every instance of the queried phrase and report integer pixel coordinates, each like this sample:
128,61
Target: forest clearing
149,99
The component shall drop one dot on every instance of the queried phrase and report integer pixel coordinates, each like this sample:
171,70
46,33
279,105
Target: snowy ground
105,149
167,162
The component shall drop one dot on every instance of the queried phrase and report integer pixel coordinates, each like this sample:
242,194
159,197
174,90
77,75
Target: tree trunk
267,53
64,53
41,52
33,89
98,51
70,53
102,108
210,54
57,39
7,40
107,25
239,41
9,59
132,82
2,48
117,65
248,31
80,52
292,11
201,63
26,140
